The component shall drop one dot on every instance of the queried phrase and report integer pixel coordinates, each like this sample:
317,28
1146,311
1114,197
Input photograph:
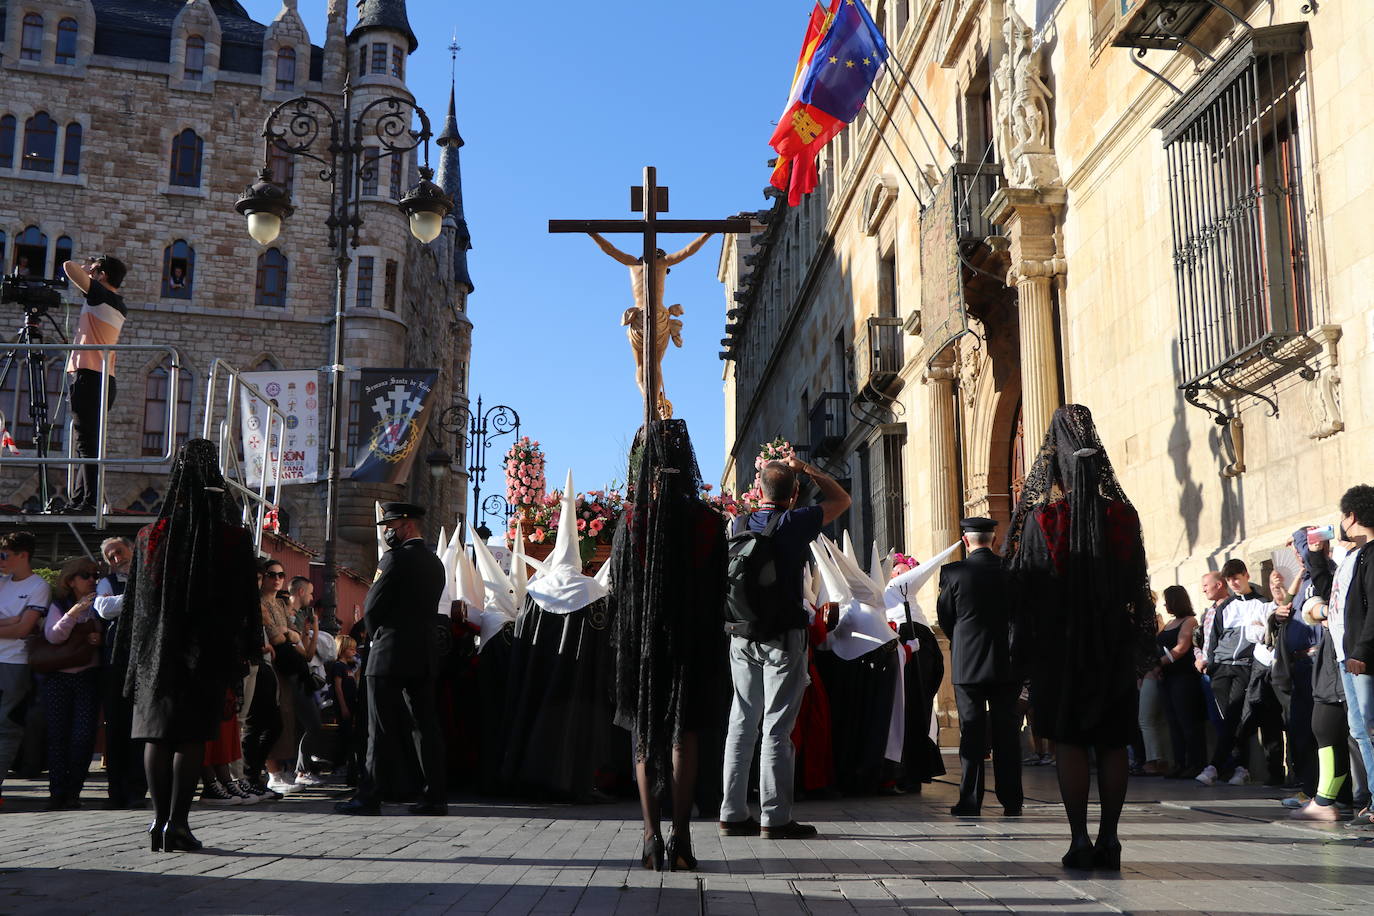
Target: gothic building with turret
129,127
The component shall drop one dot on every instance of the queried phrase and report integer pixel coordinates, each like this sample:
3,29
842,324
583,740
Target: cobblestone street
873,856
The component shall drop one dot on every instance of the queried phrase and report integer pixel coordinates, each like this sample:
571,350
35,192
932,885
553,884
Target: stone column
945,498
1029,218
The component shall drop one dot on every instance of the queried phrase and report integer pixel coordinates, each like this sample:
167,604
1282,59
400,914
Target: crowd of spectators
1286,665
289,720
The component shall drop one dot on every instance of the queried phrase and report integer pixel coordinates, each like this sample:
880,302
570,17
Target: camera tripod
34,367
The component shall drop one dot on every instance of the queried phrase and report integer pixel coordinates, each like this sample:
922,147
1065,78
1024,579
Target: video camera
35,295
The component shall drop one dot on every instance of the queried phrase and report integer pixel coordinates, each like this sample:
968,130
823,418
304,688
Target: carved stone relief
1022,102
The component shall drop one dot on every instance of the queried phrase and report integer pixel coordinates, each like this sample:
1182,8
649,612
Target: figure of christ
666,324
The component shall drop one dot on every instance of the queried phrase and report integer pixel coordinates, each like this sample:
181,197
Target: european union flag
846,63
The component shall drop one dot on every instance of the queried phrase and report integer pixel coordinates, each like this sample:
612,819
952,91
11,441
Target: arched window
195,58
156,397
7,129
362,60
71,150
178,270
66,41
31,252
283,166
31,38
271,287
186,149
286,68
61,254
40,143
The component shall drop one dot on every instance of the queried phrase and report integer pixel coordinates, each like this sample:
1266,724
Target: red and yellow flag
784,173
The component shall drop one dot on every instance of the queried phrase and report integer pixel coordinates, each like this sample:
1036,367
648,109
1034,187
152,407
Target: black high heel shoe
1107,856
155,836
679,853
180,839
1080,855
653,853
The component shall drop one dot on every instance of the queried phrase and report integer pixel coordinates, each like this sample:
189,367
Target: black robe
861,693
925,670
557,709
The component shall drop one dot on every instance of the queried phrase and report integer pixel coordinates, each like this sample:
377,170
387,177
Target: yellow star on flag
849,63
834,60
867,61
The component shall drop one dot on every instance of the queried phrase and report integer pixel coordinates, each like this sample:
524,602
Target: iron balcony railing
252,490
829,424
881,357
102,460
974,186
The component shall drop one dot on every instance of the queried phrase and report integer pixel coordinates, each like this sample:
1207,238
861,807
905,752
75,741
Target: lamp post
484,426
306,126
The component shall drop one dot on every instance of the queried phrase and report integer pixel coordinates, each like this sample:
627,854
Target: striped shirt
102,318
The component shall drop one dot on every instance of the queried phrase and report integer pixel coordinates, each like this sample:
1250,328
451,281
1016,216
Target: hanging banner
296,394
393,407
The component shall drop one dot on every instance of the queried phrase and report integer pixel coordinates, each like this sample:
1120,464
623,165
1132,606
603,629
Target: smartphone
1317,535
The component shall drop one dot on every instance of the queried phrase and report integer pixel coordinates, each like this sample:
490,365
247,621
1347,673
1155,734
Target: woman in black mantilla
1086,624
667,590
192,607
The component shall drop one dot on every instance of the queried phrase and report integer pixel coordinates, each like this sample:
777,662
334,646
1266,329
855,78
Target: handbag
75,652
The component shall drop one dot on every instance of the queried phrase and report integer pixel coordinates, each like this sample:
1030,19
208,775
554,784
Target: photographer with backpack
767,625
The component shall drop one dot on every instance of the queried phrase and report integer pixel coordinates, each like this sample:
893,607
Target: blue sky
561,106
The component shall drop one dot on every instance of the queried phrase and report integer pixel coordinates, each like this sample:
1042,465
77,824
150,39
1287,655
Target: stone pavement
874,856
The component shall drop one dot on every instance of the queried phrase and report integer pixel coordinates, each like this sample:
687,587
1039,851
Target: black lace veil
1102,595
191,566
664,597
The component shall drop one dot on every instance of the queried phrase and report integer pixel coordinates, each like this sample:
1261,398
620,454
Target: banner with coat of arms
297,395
393,407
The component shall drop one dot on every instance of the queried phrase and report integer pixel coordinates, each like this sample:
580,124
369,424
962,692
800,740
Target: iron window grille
1239,219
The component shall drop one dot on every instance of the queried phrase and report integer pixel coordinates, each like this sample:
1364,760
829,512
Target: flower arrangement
901,559
777,450
597,514
525,474
727,503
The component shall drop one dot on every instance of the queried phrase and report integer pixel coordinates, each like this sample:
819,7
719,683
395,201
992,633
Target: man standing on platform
402,662
974,609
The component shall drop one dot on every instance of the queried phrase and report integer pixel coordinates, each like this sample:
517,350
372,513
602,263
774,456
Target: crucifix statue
650,324
666,321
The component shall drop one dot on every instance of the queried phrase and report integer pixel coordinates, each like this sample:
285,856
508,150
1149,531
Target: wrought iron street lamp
306,126
484,426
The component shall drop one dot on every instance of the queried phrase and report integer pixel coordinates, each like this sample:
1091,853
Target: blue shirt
791,549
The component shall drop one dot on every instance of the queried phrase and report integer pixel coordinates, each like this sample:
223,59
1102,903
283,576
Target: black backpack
754,606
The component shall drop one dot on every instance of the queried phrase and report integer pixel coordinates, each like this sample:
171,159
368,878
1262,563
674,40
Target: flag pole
906,78
896,160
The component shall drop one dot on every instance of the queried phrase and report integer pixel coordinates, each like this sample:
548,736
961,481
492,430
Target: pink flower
597,525
581,525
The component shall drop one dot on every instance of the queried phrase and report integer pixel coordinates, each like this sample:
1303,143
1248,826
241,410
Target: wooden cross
650,226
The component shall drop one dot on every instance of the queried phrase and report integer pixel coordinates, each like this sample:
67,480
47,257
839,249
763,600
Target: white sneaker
1240,777
1208,776
308,779
277,783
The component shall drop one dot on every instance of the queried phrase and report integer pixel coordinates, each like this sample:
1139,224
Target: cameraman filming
102,318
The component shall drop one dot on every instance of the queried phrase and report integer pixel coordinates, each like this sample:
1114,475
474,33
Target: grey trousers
15,683
769,679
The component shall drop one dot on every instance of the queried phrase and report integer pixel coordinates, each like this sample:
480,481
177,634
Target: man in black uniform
402,662
974,612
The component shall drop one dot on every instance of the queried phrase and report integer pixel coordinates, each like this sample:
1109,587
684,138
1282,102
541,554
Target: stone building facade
169,98
1149,207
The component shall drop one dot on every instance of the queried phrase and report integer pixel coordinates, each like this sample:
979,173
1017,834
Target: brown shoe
746,827
792,831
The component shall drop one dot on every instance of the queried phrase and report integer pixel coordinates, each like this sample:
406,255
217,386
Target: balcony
829,424
1146,25
974,186
880,360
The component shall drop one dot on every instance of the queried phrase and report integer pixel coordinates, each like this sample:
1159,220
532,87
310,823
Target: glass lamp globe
426,226
264,227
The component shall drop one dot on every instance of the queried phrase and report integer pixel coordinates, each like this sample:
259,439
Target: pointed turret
450,178
384,14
